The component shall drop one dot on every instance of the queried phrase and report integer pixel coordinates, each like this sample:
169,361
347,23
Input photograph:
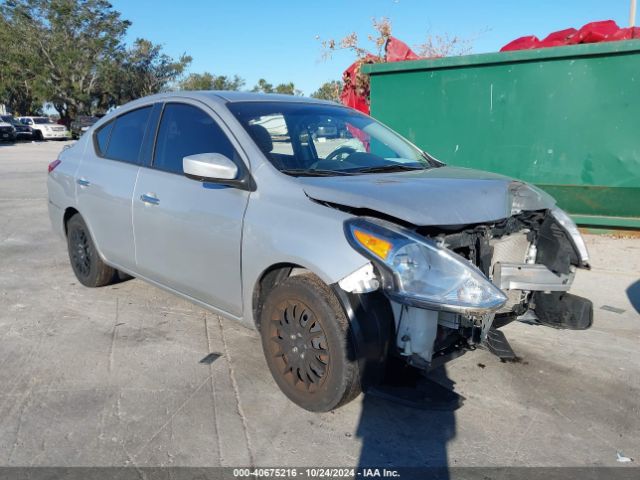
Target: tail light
53,165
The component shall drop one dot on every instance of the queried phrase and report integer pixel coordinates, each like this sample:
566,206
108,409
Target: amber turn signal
375,245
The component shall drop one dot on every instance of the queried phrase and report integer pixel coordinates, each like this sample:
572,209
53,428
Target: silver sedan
345,245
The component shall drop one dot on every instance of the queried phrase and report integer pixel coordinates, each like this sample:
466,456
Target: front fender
296,231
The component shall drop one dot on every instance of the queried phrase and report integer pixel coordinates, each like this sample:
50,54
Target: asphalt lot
111,376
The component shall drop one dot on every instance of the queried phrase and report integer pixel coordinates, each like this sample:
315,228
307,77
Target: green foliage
284,88
21,85
208,81
197,81
263,87
71,53
137,72
329,91
148,70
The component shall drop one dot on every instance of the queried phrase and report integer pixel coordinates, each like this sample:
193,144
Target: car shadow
633,293
397,436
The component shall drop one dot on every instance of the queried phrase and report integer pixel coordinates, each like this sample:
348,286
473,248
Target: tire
37,136
85,261
308,344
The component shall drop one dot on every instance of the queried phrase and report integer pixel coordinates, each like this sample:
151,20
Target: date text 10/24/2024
315,473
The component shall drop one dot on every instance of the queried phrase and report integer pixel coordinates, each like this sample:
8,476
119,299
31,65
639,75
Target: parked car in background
23,132
81,124
44,129
344,257
7,132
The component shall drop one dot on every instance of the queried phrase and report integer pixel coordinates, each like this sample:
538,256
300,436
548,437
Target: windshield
306,139
8,119
41,120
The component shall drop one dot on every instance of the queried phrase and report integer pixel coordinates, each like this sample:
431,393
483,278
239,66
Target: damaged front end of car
451,288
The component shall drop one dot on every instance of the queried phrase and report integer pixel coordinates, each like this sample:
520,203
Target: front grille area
484,245
511,248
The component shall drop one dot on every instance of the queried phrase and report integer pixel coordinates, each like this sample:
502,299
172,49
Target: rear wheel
308,346
86,263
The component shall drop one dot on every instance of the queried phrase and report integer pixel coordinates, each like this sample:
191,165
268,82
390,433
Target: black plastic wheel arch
372,326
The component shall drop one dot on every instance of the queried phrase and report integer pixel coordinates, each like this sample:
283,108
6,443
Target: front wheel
86,263
308,346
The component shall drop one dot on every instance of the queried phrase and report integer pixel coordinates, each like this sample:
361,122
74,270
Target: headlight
47,128
576,238
418,272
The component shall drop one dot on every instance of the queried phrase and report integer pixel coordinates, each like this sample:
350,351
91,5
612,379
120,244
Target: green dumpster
563,118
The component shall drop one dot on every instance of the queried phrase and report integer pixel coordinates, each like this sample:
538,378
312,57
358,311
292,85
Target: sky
280,40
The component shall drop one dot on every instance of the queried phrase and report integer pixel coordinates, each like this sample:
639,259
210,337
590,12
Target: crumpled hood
437,196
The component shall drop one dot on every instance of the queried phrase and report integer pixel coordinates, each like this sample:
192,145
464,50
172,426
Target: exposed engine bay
531,257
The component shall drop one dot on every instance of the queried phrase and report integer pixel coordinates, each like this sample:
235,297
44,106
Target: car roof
219,97
223,96
261,97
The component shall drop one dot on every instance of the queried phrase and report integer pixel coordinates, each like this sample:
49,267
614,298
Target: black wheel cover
81,254
299,345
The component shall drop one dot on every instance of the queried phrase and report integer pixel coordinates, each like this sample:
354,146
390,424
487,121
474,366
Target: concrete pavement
112,376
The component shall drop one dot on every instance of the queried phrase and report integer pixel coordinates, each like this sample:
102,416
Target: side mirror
209,167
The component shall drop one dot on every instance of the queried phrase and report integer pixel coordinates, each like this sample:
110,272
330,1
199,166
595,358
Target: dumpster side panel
569,125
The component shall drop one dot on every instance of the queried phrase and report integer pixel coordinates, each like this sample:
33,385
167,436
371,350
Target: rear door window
187,130
102,137
127,134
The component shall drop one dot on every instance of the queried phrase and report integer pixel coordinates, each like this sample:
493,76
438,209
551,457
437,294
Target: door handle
83,182
150,199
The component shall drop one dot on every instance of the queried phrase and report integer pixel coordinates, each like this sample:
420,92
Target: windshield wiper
398,167
433,161
305,172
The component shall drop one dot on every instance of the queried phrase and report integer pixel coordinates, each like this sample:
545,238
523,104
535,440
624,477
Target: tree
72,38
329,91
222,82
136,72
434,46
73,53
263,87
197,81
143,70
284,88
287,89
149,70
21,86
360,82
208,81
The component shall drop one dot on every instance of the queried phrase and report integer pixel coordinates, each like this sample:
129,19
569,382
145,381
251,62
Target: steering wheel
340,154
